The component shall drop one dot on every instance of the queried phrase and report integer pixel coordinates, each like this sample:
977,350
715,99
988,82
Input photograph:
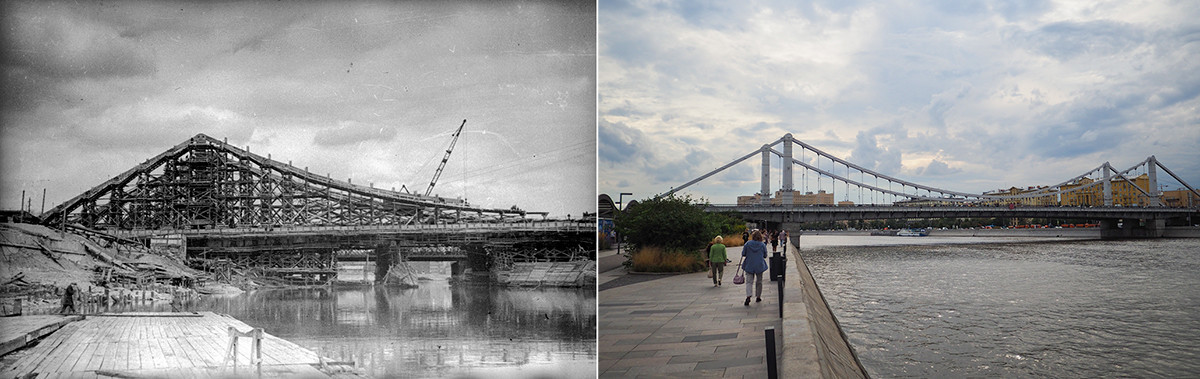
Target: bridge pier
457,268
1132,228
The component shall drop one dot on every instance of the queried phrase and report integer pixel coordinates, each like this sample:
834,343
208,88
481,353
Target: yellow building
819,198
1124,192
1039,201
1180,199
749,200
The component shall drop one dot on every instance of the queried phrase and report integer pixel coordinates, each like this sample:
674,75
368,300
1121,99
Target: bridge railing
565,226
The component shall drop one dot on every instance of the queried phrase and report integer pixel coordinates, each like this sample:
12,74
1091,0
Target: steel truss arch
207,183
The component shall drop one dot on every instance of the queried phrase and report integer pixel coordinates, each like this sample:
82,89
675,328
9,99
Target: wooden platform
174,345
18,331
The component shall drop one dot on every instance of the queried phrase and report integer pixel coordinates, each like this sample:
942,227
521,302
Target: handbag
738,278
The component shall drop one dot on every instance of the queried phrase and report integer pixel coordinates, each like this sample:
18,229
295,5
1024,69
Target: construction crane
441,166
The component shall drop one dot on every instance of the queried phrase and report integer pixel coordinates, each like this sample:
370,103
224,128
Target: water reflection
435,330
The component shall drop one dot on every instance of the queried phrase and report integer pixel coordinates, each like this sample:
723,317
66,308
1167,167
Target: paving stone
710,337
730,363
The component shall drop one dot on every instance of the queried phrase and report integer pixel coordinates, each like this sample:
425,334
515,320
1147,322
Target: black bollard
780,283
772,359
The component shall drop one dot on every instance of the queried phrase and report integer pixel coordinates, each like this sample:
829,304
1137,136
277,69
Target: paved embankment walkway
680,325
172,345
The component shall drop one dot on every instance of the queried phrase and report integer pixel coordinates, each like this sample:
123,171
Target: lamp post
620,201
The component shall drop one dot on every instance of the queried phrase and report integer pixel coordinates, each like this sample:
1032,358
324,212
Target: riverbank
1085,233
39,263
1072,233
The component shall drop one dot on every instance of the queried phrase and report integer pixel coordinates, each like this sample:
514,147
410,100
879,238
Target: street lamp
620,201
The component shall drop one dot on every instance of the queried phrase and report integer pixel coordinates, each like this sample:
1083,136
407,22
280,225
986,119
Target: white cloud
955,93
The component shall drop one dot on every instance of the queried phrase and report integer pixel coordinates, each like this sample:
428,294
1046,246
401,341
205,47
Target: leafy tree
674,223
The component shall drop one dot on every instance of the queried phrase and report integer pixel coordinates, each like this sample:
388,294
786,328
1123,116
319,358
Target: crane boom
441,166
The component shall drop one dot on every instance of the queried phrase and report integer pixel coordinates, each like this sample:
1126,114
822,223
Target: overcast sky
368,91
964,95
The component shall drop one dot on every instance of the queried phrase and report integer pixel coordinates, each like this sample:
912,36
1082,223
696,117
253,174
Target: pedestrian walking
774,238
716,260
68,300
754,262
745,236
783,236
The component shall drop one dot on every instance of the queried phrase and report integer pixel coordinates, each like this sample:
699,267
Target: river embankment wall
1181,232
1044,232
1085,233
814,345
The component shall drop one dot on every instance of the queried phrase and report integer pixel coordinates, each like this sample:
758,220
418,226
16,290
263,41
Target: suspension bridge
1128,203
234,208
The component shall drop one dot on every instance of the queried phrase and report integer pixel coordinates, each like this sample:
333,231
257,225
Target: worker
68,301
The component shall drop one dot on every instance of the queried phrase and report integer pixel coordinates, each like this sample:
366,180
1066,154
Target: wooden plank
151,350
175,355
98,355
200,358
60,354
169,358
90,337
38,354
85,357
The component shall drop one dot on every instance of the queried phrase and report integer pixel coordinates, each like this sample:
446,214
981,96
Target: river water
966,307
440,329
436,330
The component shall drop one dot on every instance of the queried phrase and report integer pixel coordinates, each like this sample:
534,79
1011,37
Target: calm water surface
1015,309
439,329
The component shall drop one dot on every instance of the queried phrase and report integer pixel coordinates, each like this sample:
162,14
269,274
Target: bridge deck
175,345
866,212
545,227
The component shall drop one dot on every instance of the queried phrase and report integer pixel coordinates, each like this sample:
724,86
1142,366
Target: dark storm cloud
868,153
59,44
681,170
619,143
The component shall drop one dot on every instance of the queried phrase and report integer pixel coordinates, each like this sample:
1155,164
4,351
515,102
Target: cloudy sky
967,96
365,90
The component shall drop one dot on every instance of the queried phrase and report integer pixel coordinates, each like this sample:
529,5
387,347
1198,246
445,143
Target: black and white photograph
298,189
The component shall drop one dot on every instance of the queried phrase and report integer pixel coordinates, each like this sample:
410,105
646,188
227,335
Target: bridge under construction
226,208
